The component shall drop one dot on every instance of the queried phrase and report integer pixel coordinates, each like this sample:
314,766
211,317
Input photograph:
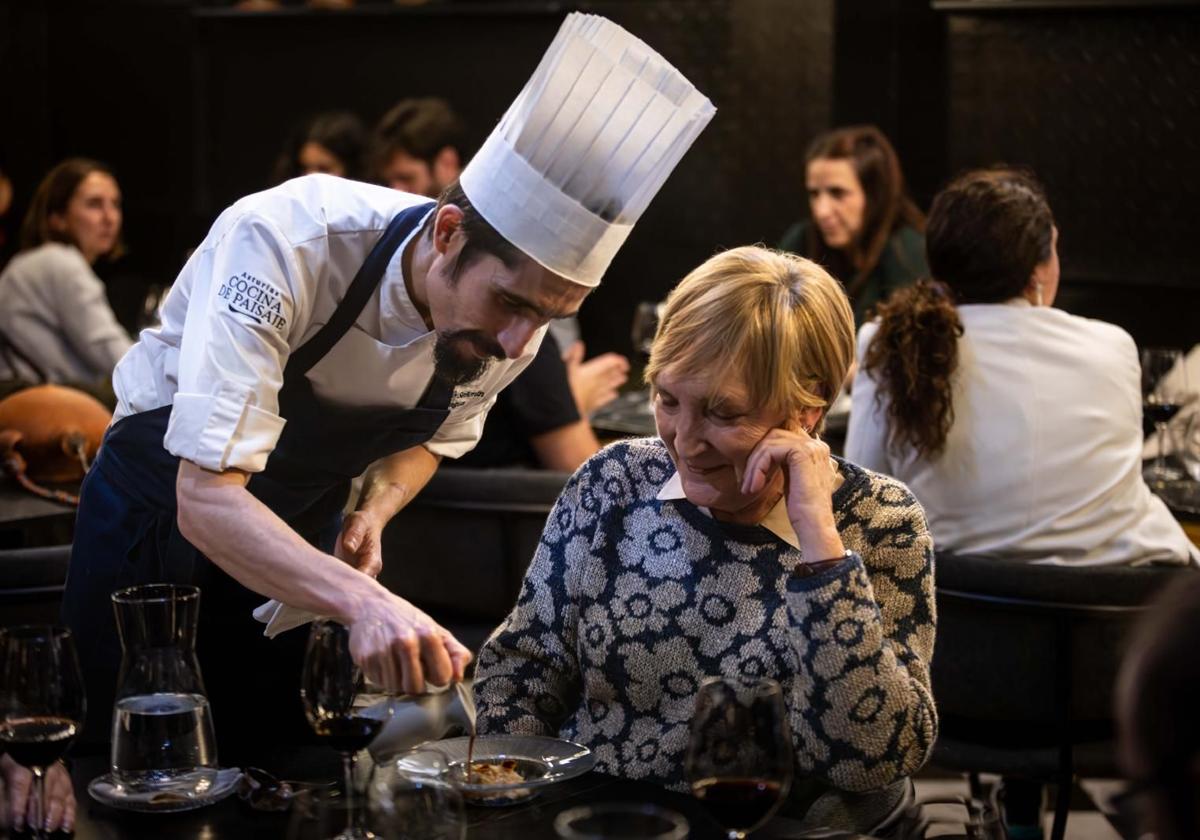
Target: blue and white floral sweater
631,601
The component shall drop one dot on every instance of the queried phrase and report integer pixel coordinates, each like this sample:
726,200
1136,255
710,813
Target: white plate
108,791
543,760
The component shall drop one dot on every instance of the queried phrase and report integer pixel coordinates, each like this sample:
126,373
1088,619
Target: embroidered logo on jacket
256,299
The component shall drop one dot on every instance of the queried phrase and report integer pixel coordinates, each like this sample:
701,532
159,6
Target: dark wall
764,63
204,97
1105,106
191,103
1101,102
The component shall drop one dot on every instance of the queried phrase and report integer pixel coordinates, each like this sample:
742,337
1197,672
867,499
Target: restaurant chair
1025,663
31,584
459,550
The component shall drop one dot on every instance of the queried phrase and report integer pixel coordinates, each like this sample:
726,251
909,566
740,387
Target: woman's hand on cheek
809,481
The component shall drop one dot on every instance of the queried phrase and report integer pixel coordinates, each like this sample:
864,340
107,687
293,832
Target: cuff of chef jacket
222,431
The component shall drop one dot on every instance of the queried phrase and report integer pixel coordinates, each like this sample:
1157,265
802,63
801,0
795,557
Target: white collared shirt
267,277
1044,458
776,521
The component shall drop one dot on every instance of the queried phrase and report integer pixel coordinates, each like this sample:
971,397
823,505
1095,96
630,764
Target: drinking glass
645,327
621,821
412,798
1164,390
319,814
328,686
41,702
739,758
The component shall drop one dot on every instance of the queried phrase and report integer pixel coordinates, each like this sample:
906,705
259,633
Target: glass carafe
162,736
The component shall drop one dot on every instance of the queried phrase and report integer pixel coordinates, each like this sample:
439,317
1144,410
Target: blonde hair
777,322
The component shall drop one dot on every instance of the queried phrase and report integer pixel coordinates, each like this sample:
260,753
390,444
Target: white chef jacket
268,276
1043,461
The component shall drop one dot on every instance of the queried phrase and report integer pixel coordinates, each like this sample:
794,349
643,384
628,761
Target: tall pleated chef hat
589,141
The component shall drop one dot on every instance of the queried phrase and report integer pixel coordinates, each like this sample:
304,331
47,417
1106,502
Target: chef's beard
453,359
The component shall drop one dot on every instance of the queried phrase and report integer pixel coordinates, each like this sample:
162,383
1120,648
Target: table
233,820
28,520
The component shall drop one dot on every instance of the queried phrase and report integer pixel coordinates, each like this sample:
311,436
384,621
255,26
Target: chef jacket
269,274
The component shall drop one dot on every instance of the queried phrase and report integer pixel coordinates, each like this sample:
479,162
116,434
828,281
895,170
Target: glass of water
162,735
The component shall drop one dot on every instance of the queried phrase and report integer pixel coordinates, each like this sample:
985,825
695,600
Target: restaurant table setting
404,774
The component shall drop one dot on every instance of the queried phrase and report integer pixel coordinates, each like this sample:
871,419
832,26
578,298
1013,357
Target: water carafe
162,735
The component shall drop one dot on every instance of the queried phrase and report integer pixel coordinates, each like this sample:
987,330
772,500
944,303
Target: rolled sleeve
248,303
222,431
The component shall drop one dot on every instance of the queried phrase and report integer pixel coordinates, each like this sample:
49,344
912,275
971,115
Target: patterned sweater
631,601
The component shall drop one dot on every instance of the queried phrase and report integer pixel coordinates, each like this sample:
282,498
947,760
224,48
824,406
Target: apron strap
361,288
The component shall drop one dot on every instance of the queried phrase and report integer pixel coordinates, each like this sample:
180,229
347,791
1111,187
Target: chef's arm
391,482
388,486
396,644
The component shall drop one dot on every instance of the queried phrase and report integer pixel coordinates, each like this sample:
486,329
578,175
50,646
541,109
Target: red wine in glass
37,741
739,761
348,734
739,805
328,685
42,702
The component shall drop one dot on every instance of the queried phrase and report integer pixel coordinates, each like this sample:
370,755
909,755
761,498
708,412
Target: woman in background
1017,425
864,229
56,324
332,143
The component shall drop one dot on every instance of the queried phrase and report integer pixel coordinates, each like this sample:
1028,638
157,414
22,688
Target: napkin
280,617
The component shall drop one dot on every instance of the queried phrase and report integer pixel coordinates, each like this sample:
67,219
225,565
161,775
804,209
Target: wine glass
41,702
645,327
328,686
412,798
739,758
1163,391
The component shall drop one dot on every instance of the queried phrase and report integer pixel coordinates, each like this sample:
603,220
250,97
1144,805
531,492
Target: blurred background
191,103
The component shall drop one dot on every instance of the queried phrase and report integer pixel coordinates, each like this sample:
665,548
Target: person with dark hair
1158,732
1016,424
541,419
325,326
332,143
863,227
417,146
56,324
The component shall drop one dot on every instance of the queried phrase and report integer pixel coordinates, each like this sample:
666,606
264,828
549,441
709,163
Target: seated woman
332,142
56,324
864,229
1017,425
733,545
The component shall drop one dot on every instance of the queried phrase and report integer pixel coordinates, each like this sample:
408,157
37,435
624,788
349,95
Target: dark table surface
231,819
28,520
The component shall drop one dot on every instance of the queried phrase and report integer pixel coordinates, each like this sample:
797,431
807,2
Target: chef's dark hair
482,238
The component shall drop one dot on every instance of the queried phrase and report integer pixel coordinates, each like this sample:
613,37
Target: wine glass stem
1160,463
348,773
38,823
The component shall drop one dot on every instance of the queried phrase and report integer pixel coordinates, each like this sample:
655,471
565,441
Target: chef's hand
809,480
361,542
594,383
18,805
400,648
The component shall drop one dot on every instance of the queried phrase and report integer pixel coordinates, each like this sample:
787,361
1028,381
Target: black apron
126,531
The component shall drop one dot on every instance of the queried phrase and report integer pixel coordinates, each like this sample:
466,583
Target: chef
325,326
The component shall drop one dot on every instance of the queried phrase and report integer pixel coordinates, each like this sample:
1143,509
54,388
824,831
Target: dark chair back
1026,660
31,584
460,549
